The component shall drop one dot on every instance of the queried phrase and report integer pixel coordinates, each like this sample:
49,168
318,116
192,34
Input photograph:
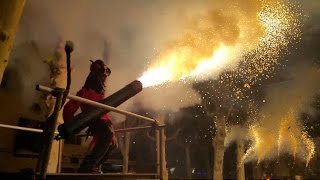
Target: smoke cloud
235,133
296,93
126,34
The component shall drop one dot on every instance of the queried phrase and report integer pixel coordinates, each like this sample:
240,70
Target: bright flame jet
220,38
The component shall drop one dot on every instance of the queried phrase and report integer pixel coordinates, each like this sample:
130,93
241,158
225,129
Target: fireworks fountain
289,137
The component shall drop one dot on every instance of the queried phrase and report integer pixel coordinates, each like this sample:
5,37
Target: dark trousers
102,132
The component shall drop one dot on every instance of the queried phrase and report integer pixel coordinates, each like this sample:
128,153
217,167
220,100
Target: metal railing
49,130
96,104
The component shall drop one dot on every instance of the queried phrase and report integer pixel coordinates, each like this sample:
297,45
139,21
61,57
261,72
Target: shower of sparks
281,21
310,147
282,25
289,135
203,52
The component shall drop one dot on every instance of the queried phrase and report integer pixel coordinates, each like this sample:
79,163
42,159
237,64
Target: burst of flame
155,76
189,57
176,67
217,61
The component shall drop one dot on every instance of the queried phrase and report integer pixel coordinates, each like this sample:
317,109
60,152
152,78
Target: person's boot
100,169
89,165
94,170
107,155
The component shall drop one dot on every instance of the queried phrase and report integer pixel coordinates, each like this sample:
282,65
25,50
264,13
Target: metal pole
128,129
21,128
49,132
132,129
41,131
136,128
97,104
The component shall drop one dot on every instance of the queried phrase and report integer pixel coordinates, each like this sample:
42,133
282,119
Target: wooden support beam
10,13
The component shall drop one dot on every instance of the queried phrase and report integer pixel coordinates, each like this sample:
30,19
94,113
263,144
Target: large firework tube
83,119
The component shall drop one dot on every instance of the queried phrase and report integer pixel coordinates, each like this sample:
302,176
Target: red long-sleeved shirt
72,106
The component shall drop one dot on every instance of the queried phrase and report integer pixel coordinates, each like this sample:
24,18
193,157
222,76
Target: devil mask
97,76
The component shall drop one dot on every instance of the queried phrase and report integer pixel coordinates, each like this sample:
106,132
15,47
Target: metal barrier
41,130
50,127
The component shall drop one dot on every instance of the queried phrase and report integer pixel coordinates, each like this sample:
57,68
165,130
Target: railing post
162,168
49,133
61,144
157,141
125,162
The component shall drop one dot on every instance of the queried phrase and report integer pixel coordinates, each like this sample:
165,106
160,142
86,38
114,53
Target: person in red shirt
104,140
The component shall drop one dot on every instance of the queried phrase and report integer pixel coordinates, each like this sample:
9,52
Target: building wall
10,111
